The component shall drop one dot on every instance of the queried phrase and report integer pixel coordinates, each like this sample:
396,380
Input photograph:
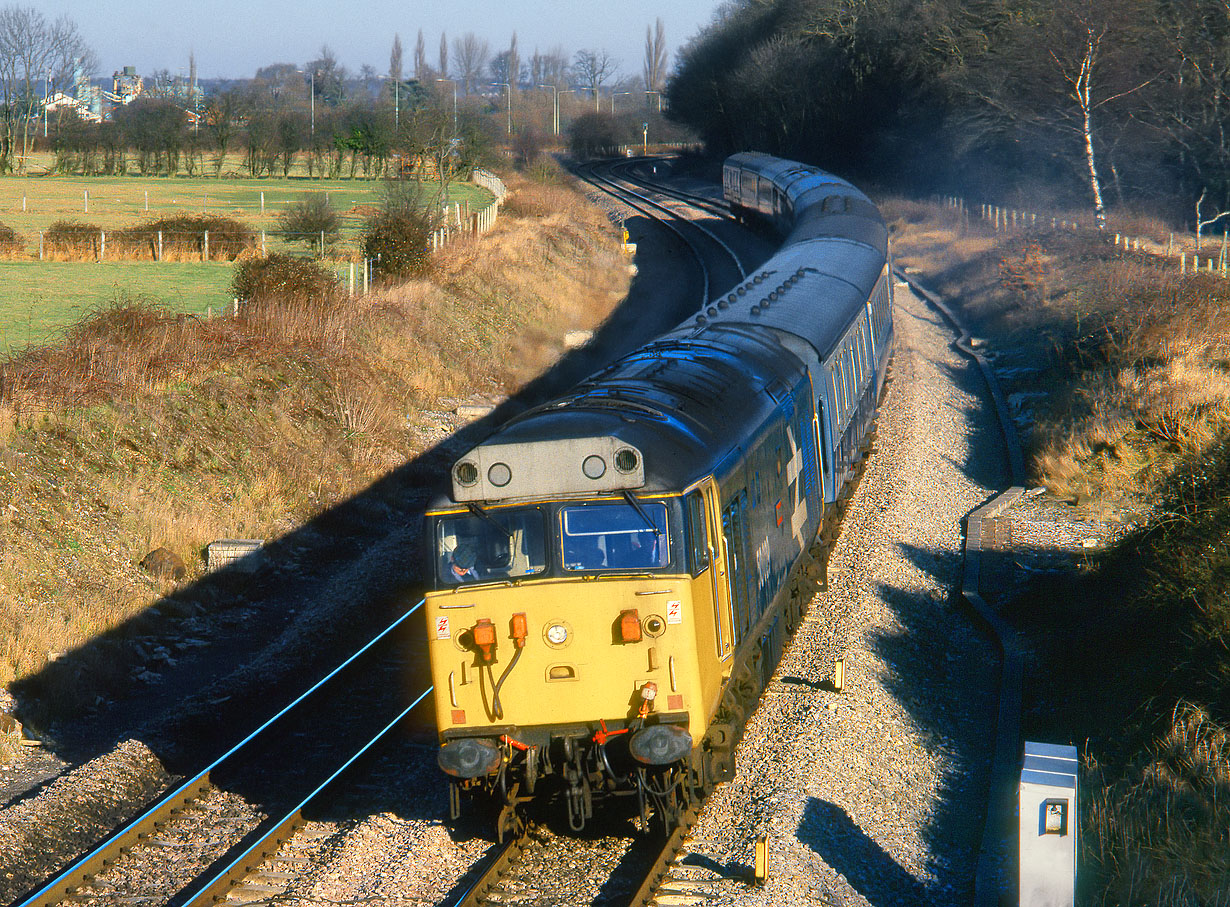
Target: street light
613,93
509,87
312,96
659,94
554,106
454,81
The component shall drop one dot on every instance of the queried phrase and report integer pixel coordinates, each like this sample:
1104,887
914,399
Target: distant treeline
1121,100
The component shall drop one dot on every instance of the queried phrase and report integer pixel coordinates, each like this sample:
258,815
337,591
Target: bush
283,277
70,237
597,135
183,236
398,239
305,220
11,242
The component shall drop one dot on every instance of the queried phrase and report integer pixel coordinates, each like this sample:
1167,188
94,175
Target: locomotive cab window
491,546
698,539
615,536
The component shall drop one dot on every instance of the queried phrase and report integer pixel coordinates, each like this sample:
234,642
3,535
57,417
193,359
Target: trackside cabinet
1048,825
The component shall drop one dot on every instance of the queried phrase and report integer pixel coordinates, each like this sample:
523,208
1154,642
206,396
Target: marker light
519,629
484,639
629,626
557,634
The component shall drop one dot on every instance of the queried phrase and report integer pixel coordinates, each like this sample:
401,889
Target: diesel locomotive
616,572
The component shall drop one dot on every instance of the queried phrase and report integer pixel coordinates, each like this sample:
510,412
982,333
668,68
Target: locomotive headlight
557,634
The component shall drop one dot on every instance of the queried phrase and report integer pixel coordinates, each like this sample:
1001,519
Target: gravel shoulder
875,795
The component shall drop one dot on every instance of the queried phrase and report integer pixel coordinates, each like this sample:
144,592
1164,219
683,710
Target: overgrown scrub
1130,364
71,240
283,277
396,239
12,243
184,238
311,221
143,429
180,237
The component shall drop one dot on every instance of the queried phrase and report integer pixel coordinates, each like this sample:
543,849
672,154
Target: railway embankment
314,430
1115,365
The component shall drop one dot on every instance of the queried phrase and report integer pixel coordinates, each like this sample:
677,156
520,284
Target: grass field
37,299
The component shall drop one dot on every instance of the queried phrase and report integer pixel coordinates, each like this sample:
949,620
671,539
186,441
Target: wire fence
457,219
1012,220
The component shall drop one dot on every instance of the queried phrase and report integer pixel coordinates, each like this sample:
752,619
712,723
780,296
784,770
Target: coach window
698,544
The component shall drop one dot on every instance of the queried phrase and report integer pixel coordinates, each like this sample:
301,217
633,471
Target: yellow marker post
839,674
760,872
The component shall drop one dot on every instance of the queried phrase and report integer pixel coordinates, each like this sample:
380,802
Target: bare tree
550,68
655,57
220,118
514,64
33,54
470,55
395,59
592,68
443,55
329,77
420,59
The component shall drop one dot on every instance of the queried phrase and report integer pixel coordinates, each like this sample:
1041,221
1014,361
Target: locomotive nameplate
535,469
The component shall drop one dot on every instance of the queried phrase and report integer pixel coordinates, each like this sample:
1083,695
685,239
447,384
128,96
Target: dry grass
1132,364
144,429
1161,835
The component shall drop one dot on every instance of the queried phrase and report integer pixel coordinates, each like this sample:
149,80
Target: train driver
461,564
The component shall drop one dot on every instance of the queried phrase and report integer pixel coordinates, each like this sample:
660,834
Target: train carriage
617,571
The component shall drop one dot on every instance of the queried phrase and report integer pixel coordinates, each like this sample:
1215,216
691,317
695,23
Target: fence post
205,250
365,274
262,203
146,199
102,244
160,245
40,245
352,280
86,196
235,307
322,245
23,202
262,231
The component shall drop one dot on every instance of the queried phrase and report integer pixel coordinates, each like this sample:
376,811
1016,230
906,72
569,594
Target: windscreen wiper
488,518
636,505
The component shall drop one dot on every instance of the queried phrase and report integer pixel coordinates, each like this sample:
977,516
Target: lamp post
613,93
554,106
311,97
454,81
659,94
508,87
46,99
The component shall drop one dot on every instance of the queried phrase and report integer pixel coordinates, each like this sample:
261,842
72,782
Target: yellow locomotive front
563,629
563,643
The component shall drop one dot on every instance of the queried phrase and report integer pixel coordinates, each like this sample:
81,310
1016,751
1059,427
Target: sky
232,38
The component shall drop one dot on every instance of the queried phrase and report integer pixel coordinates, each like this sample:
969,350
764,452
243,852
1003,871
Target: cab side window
698,547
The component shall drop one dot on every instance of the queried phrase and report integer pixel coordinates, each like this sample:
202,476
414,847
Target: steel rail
498,864
239,868
713,237
715,206
121,841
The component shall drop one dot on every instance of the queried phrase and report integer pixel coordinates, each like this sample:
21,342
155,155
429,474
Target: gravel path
875,795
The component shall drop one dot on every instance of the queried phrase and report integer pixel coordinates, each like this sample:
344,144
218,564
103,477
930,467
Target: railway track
605,870
674,221
202,839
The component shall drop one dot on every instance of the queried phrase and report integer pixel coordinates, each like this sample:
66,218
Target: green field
39,298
